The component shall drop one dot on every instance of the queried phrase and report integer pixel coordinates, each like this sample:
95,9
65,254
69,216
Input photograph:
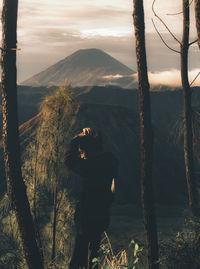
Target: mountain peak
83,67
91,50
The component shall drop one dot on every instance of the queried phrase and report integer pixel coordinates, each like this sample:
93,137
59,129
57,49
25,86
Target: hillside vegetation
53,190
47,183
113,111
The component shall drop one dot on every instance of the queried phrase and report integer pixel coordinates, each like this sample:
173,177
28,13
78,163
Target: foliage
57,111
46,176
11,255
182,252
46,179
108,260
178,127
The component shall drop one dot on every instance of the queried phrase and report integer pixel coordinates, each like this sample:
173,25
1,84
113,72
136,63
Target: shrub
108,260
182,252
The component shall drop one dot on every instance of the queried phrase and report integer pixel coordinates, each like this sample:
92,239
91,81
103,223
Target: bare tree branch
163,38
165,25
59,202
174,14
197,18
194,79
191,43
178,13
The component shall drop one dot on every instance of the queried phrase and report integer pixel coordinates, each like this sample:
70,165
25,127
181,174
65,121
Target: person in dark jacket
98,169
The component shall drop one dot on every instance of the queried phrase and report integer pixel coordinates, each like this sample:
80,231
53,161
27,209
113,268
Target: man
98,169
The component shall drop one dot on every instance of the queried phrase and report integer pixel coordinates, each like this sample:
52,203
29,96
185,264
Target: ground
127,224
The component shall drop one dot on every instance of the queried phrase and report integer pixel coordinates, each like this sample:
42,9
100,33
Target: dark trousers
86,249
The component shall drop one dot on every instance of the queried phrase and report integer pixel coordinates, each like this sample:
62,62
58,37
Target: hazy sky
49,30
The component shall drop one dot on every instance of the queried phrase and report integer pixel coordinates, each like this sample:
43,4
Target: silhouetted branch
194,79
191,43
174,14
165,25
59,202
163,39
7,49
178,13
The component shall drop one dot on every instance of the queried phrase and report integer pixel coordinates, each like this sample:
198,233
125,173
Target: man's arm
113,185
114,164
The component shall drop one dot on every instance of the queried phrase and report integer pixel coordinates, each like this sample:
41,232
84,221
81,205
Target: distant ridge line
81,68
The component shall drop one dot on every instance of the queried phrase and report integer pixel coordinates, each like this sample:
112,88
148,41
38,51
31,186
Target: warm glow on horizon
50,30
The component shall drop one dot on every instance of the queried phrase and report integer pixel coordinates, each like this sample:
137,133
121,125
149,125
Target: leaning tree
15,185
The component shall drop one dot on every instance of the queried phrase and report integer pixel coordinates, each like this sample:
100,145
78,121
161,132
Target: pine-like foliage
48,185
47,177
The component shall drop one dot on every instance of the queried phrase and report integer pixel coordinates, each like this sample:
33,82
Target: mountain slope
120,130
84,67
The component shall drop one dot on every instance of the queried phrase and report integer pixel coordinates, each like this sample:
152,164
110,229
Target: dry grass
116,262
109,260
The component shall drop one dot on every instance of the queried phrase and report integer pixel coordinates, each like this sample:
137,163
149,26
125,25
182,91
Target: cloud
50,30
52,45
81,17
171,78
113,77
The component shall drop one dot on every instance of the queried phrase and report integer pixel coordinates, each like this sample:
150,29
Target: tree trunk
146,136
15,184
197,15
188,134
55,192
54,226
35,215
